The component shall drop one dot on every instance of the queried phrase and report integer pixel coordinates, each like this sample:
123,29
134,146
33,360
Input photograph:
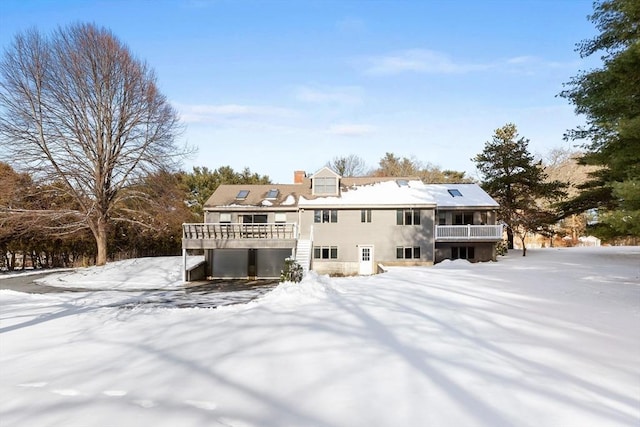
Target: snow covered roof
405,193
460,195
363,191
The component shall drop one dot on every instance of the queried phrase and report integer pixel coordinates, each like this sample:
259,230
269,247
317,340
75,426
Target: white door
366,260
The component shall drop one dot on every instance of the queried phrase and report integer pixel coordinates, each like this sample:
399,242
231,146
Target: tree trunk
509,238
524,247
100,234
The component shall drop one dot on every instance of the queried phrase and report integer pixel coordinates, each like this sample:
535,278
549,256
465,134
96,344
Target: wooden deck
223,235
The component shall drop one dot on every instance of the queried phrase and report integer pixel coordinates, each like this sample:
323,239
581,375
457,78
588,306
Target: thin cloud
539,63
205,113
433,62
347,95
419,61
351,130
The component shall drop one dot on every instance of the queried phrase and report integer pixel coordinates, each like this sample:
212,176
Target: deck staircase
303,254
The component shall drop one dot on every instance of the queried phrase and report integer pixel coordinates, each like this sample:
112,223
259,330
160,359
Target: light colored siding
382,232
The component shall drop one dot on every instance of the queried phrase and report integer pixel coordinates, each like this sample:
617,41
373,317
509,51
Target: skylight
273,193
455,192
242,194
402,182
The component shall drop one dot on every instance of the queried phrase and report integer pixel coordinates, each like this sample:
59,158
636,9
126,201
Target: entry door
366,259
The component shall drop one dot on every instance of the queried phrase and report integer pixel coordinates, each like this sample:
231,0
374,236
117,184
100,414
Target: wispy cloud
529,64
419,61
352,130
348,95
433,62
205,113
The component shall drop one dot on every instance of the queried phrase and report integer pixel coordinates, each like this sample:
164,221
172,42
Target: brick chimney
298,177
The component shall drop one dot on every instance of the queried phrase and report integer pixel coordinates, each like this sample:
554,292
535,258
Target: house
340,226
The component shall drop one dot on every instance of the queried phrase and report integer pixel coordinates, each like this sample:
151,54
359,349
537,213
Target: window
402,182
225,218
254,219
324,185
325,215
408,252
325,252
483,218
280,217
463,218
365,215
442,218
272,194
408,216
462,252
455,192
242,194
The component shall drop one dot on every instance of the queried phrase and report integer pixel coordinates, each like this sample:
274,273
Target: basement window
325,252
408,252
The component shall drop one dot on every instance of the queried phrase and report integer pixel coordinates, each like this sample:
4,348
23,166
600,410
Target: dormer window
325,182
325,185
242,194
454,192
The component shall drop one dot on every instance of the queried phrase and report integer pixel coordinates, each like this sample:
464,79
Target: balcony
461,233
238,236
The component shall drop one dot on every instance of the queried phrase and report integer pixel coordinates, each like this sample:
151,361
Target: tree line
41,227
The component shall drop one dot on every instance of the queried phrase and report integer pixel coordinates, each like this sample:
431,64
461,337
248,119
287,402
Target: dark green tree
512,176
609,98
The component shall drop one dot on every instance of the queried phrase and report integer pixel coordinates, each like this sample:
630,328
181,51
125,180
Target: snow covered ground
552,339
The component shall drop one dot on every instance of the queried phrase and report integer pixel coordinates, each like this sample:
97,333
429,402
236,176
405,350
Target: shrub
501,248
291,272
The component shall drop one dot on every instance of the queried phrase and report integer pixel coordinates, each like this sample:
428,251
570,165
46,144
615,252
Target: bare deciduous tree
76,107
349,166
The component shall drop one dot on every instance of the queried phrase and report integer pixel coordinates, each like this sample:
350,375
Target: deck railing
220,231
468,232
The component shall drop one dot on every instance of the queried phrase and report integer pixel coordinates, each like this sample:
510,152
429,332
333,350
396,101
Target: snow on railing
218,231
469,232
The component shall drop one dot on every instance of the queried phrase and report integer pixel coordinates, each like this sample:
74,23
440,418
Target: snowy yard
552,339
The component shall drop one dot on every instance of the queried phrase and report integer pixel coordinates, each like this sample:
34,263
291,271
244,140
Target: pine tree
609,98
518,183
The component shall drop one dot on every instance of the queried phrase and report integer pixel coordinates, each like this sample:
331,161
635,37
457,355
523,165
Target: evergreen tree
518,183
609,98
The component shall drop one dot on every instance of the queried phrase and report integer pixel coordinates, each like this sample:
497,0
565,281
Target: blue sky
288,85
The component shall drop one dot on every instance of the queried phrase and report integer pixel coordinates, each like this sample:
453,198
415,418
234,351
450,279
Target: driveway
208,294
